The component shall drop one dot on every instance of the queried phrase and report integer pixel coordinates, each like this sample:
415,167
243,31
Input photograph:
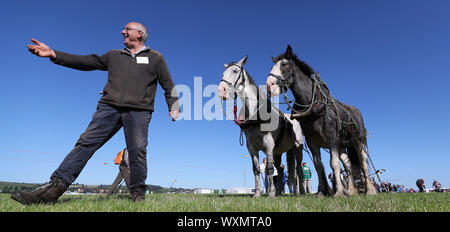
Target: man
437,187
306,178
421,185
262,169
124,171
127,101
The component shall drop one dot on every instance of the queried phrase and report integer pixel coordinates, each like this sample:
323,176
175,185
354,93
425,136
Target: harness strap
297,114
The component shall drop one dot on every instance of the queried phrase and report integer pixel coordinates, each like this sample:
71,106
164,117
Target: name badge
142,60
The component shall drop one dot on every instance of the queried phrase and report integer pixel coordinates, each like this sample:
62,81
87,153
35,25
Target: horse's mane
304,67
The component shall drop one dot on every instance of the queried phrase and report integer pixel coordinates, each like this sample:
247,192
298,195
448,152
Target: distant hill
10,187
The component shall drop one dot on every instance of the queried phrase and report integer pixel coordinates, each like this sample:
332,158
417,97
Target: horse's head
282,73
289,72
233,79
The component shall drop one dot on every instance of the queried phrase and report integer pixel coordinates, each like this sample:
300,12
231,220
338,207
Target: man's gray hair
144,31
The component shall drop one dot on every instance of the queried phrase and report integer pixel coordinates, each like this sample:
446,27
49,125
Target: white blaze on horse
326,122
257,111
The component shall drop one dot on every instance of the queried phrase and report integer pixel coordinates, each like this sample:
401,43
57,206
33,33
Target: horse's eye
235,71
284,64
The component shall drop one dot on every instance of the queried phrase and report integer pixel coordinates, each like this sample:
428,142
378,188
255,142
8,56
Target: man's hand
174,115
41,49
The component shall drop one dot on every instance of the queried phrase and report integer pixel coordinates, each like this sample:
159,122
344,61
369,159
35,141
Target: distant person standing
127,101
421,184
437,187
262,169
124,171
306,178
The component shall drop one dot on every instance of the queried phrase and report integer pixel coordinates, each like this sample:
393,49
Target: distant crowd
281,179
387,187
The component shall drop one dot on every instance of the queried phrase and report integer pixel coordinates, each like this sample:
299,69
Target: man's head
134,34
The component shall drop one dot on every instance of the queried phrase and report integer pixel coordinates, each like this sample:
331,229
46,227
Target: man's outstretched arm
80,62
40,49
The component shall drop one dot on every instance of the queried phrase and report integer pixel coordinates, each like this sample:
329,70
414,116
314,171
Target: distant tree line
7,187
10,187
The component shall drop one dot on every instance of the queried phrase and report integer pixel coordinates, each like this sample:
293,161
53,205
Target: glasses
129,29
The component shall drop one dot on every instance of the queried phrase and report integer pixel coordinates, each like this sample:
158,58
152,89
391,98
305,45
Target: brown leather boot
138,193
47,193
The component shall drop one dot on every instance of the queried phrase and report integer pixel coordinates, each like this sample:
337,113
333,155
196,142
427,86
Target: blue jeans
107,120
265,182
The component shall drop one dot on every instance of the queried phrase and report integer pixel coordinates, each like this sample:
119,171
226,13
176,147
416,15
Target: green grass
419,202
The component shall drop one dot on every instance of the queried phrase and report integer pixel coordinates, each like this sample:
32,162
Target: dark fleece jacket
131,80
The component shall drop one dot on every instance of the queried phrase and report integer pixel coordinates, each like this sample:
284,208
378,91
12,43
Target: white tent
239,190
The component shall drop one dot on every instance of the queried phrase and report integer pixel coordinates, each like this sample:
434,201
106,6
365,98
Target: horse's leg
298,165
297,153
269,172
370,188
290,160
269,144
334,162
255,164
324,188
351,186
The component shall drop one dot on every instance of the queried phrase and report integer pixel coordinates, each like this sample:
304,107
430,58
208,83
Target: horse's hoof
371,192
320,194
271,195
257,195
352,192
339,194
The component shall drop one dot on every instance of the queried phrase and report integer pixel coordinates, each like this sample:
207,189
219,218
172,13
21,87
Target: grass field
418,202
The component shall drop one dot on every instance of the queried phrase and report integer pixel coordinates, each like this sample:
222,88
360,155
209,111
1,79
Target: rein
284,86
328,101
232,86
236,120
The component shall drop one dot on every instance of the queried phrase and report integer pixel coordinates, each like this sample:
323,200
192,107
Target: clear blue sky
390,59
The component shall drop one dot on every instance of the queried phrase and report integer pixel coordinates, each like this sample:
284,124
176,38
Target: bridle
281,82
284,84
320,97
234,88
241,76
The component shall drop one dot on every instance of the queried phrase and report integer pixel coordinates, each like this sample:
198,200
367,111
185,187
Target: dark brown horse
326,123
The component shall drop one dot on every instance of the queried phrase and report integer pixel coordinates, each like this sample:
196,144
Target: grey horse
266,128
326,122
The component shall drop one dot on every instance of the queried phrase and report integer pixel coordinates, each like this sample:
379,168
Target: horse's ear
243,61
273,59
226,65
289,52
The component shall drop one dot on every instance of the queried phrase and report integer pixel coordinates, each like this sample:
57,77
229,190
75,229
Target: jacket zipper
126,81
